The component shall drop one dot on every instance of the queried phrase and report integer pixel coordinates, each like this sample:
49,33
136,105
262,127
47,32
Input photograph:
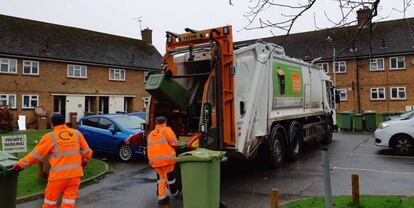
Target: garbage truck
251,101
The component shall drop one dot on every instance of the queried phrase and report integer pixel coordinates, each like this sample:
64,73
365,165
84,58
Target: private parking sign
14,144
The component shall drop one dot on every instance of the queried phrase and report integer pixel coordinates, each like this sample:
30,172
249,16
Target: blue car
141,115
117,134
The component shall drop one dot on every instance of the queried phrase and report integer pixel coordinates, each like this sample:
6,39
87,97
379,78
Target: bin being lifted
249,101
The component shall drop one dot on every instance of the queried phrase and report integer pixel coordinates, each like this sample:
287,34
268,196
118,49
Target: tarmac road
244,185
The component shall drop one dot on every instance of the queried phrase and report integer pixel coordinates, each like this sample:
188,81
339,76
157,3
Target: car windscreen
407,115
129,122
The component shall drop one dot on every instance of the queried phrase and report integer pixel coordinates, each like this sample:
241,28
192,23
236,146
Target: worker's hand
84,163
16,167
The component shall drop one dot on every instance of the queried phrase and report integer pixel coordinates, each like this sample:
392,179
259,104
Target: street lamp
330,40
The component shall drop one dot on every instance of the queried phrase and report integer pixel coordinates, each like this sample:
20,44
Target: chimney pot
363,16
146,35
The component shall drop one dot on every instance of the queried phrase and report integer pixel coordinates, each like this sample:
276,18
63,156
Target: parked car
142,115
117,134
397,134
400,116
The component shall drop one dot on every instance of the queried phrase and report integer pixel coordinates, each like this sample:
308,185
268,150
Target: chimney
146,35
363,16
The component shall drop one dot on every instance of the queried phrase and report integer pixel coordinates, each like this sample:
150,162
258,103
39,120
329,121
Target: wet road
245,185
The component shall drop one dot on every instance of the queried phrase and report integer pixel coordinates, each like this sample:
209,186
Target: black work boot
164,200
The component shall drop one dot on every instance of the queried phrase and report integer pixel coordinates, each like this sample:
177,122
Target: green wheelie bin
200,176
370,121
346,118
358,122
8,181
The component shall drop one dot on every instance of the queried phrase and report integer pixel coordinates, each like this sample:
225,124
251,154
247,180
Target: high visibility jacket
66,149
160,143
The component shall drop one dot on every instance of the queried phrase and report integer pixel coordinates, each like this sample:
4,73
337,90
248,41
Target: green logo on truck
287,85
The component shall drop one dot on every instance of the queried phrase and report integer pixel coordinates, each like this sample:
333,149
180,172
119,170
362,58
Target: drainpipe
357,86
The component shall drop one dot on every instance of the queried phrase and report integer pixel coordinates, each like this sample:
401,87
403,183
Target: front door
75,103
59,105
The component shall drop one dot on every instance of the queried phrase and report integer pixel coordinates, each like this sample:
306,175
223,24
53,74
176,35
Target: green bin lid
200,155
7,160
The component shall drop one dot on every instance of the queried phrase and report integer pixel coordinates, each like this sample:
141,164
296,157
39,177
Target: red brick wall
53,78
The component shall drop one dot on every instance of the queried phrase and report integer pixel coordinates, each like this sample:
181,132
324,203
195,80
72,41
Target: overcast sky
117,16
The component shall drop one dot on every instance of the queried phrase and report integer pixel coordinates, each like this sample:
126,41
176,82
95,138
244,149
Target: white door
116,103
75,104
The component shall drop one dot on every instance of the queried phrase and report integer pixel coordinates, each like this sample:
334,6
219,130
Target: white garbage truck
250,101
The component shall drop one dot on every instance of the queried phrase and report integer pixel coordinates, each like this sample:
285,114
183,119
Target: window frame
346,94
398,97
8,100
114,70
324,64
31,67
396,58
30,101
371,90
73,72
376,59
339,63
8,66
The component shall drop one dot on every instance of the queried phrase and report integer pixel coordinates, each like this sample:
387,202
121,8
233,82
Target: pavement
381,172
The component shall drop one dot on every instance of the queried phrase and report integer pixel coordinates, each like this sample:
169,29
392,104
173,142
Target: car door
89,129
108,141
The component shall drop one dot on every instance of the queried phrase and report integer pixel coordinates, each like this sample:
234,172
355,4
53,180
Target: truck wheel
295,141
277,145
327,137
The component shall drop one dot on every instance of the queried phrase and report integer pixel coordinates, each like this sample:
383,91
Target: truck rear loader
250,101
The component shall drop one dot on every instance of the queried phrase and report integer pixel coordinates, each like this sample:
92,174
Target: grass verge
346,202
27,183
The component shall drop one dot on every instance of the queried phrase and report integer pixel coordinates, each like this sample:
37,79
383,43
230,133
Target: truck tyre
277,146
327,136
295,144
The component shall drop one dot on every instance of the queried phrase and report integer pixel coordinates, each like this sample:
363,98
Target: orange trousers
69,187
163,180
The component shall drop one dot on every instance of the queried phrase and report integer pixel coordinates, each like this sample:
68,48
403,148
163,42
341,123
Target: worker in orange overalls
161,156
68,154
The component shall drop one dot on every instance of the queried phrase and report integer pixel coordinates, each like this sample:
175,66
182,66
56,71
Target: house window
9,100
324,67
31,67
340,67
30,101
117,74
8,65
376,64
77,71
397,62
398,93
342,94
378,93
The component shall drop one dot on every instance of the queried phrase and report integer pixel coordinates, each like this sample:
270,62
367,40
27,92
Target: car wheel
125,153
403,144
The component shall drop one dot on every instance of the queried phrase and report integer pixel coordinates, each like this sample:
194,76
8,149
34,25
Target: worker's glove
84,163
16,167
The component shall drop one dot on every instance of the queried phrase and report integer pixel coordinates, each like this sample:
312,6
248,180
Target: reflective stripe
68,201
37,156
161,157
65,167
60,154
162,197
84,151
55,147
172,140
46,201
171,182
149,143
162,181
25,163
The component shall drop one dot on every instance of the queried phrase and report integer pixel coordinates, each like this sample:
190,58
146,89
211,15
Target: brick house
381,80
66,69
